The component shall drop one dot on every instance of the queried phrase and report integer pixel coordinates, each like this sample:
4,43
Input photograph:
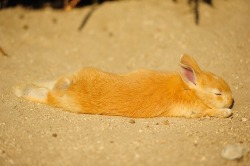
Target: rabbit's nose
231,106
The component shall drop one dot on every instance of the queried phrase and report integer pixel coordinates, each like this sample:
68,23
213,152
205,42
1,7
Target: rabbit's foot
220,113
31,92
224,113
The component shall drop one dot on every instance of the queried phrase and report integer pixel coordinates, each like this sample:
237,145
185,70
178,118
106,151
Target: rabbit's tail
37,92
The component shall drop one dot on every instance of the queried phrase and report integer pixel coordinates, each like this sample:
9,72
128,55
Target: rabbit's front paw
224,113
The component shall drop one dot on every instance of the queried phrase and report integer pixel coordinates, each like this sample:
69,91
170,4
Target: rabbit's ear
189,70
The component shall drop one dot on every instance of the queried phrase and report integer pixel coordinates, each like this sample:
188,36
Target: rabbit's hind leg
32,93
63,96
54,93
36,92
45,84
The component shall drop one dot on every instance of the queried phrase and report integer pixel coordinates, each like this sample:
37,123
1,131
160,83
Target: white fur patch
31,92
48,84
65,84
215,91
225,112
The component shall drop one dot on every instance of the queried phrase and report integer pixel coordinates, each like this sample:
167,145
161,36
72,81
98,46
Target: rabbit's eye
216,92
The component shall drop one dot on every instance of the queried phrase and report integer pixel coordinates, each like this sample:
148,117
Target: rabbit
189,93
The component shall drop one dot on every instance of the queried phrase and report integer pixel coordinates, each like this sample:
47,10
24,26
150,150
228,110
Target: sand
121,37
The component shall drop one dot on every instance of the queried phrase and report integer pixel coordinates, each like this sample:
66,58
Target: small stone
54,20
221,130
157,124
25,27
208,117
21,16
132,121
195,143
11,161
54,135
2,151
166,122
203,158
110,34
234,151
244,119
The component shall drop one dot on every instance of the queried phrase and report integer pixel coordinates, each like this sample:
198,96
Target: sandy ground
121,37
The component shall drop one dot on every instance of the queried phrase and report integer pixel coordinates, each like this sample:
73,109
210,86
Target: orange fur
140,94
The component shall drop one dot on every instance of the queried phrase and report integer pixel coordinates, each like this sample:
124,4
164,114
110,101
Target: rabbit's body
140,94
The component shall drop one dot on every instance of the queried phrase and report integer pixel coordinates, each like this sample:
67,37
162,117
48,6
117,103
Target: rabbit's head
211,89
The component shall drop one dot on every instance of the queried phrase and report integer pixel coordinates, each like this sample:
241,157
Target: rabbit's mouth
232,104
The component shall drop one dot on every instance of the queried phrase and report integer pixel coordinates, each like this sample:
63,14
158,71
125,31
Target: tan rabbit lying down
142,94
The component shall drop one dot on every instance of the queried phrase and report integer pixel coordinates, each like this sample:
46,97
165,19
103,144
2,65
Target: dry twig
95,4
3,52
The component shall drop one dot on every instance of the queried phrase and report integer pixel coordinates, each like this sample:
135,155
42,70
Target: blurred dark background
60,3
69,4
36,4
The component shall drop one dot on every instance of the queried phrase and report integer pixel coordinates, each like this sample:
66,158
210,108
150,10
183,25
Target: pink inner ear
188,73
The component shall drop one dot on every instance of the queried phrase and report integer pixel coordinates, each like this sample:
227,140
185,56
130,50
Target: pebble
195,143
54,20
166,122
54,135
2,151
221,130
234,151
25,27
203,158
132,121
244,119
